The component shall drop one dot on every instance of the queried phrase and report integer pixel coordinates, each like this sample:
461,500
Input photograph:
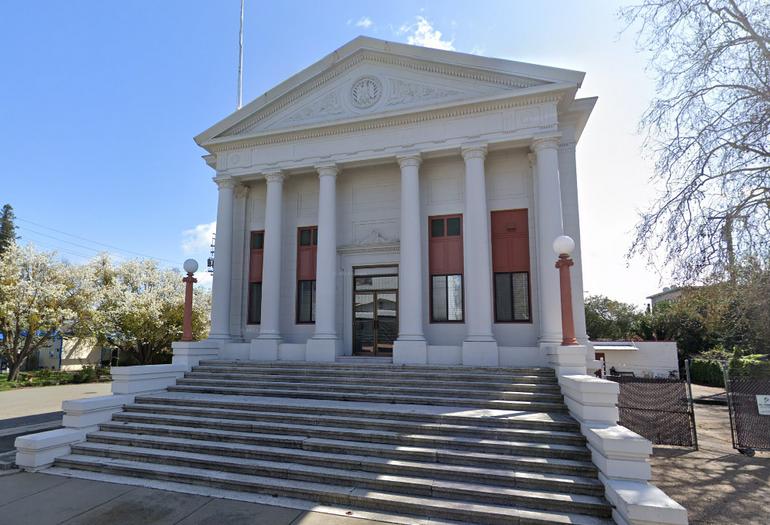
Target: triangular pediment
368,79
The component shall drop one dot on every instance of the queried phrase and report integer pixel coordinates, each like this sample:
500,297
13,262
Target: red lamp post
563,246
190,266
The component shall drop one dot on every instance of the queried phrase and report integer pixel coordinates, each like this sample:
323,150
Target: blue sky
99,102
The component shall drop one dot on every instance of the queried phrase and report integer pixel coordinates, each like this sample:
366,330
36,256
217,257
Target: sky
99,102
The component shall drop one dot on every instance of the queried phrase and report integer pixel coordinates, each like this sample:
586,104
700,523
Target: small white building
642,358
398,200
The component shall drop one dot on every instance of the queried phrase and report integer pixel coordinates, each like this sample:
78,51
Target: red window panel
510,241
445,246
256,255
307,246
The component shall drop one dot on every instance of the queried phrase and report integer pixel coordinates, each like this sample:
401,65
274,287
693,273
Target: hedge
709,371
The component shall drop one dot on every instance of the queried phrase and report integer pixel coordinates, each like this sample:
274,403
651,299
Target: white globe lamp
563,245
190,266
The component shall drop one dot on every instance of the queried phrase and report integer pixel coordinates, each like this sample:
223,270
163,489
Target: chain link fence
659,409
748,400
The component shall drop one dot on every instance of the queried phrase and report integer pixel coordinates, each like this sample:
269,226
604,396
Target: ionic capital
409,159
224,182
275,176
543,143
241,191
474,151
327,170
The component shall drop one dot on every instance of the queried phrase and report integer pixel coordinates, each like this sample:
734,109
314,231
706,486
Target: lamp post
563,246
190,266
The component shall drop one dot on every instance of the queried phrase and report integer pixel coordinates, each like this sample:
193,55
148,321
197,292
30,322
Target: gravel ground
716,484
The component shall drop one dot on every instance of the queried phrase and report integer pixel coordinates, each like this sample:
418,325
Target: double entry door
375,310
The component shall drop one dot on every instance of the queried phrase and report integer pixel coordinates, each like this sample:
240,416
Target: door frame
375,352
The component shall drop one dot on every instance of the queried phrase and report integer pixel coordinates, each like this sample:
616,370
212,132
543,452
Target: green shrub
706,372
709,371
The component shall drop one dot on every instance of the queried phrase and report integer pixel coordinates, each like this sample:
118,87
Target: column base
190,353
410,352
264,349
322,349
566,360
480,353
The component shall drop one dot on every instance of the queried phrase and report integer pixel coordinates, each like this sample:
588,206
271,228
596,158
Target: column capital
224,182
542,143
409,159
274,176
327,170
241,191
474,151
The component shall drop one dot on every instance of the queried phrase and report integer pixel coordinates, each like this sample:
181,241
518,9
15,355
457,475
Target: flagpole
240,61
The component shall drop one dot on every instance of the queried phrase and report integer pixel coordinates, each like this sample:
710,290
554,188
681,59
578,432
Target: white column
410,347
571,218
549,226
479,347
324,345
220,288
265,347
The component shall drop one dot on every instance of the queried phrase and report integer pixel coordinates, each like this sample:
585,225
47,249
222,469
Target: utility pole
239,103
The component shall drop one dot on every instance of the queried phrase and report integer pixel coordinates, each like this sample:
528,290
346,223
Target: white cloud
204,278
422,33
198,239
364,22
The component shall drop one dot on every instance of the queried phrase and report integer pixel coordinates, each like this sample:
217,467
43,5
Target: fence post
690,403
726,376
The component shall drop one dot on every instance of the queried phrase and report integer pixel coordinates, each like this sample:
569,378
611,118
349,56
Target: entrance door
375,312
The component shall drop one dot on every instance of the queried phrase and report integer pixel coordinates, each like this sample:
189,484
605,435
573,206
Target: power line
89,240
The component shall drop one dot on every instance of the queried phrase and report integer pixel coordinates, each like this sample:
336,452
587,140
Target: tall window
256,250
446,269
307,244
510,264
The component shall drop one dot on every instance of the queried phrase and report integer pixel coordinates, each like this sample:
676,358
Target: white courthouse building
398,200
395,203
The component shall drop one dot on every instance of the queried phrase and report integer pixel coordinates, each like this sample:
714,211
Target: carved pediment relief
372,87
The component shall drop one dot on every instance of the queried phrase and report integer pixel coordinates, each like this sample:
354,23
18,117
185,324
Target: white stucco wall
650,359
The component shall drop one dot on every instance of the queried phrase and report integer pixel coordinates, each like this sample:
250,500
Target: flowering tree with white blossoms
141,307
38,296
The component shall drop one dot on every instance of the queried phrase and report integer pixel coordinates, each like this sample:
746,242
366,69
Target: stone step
338,495
428,443
530,475
401,484
407,412
440,369
360,371
367,435
510,394
397,425
433,382
537,406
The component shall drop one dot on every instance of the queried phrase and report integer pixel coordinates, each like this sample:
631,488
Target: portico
447,168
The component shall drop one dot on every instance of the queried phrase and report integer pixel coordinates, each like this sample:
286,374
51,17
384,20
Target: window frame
249,312
513,320
298,296
444,235
432,318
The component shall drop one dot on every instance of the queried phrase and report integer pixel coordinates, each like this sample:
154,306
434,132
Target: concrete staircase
451,444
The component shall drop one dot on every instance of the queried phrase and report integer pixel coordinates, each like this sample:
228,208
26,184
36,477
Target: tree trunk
13,371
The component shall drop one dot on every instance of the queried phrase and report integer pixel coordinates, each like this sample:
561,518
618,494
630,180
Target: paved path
45,399
716,484
36,409
44,499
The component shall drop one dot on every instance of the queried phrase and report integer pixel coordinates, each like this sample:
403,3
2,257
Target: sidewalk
45,399
36,409
44,499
